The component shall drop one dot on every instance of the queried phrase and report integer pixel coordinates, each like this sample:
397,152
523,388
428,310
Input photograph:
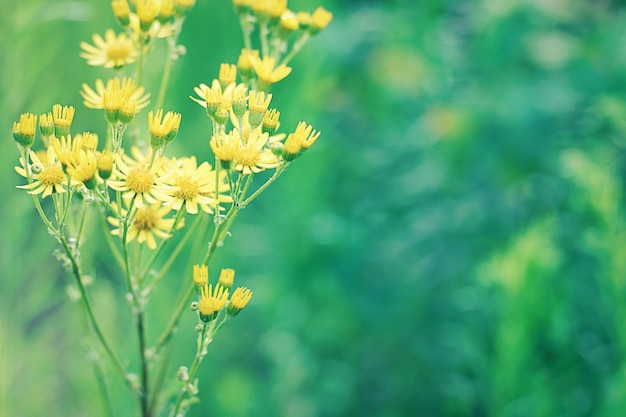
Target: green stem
82,222
267,183
173,255
247,31
296,48
92,318
157,253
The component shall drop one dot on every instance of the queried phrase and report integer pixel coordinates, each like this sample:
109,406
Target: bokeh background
453,245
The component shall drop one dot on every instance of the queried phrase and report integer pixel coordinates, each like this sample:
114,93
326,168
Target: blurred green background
453,245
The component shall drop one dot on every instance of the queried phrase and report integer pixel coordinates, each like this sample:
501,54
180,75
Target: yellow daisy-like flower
200,276
239,300
227,277
136,179
126,88
253,155
85,169
47,176
213,98
149,222
212,301
66,149
267,72
320,19
112,51
225,146
300,140
190,185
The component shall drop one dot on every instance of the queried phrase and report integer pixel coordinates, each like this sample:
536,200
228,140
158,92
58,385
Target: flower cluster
149,198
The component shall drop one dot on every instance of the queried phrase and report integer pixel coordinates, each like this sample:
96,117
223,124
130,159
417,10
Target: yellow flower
189,185
48,177
225,146
320,19
66,149
147,11
212,301
300,140
111,51
163,129
238,301
270,121
227,74
123,90
252,155
62,117
24,130
89,141
266,72
289,21
46,124
244,63
136,179
277,7
200,276
85,169
258,102
121,10
149,222
227,277
214,98
105,164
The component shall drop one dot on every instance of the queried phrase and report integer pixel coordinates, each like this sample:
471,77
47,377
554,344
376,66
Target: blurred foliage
454,246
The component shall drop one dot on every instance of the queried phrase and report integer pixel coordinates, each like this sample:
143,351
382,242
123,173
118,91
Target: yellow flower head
46,124
121,10
163,129
88,140
105,164
149,222
270,121
266,71
238,301
239,98
289,21
147,11
258,102
320,19
189,185
300,140
214,98
85,169
67,149
166,10
62,117
276,8
244,63
112,51
225,146
227,277
200,276
227,75
304,19
136,179
47,177
212,301
24,130
253,155
120,91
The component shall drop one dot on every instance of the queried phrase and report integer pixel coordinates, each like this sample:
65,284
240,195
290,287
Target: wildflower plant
144,196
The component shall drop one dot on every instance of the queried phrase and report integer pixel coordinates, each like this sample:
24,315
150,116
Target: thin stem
145,409
247,31
92,318
296,48
263,32
173,255
157,253
267,183
82,222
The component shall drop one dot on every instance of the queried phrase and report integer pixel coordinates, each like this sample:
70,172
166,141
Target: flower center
248,157
51,175
139,181
118,51
187,189
145,219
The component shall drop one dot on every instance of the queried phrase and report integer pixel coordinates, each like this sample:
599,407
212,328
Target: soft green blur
453,245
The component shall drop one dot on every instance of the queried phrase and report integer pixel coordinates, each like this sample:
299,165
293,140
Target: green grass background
453,245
